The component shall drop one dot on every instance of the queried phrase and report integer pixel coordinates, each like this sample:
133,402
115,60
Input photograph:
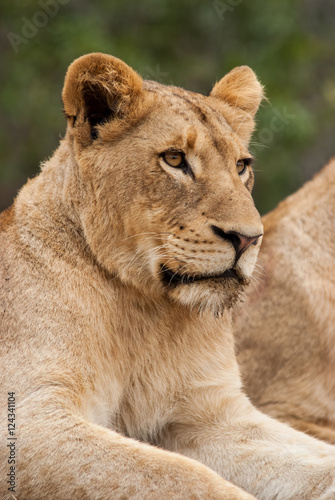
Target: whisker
152,254
140,254
144,234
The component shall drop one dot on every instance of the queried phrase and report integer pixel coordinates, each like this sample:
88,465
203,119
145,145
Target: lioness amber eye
241,166
174,158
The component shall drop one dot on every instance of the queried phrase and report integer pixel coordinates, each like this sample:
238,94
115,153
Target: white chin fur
215,297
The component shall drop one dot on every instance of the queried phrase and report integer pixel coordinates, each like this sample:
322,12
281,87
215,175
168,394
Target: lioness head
165,178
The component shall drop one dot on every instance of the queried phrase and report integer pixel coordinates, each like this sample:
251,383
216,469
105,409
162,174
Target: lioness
287,350
119,266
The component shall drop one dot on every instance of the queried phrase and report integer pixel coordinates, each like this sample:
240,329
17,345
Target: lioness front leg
261,455
62,457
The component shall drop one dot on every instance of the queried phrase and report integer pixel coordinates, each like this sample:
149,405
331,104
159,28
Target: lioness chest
150,358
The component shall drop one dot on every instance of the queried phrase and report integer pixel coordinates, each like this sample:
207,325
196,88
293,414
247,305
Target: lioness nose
240,241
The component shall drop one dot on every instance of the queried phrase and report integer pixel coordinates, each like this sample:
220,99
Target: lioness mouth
170,277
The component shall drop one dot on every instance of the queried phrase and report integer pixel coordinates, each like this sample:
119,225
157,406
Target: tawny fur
127,385
286,327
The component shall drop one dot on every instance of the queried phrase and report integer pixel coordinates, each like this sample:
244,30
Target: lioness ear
97,88
243,92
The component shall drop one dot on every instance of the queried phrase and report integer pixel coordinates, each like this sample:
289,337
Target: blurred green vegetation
289,44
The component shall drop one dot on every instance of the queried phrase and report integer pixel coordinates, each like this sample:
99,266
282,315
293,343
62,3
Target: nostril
235,239
239,241
216,230
231,236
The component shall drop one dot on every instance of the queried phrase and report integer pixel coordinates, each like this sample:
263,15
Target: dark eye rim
184,166
181,165
248,162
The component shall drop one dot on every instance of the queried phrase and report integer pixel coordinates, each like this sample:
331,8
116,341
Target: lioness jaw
142,215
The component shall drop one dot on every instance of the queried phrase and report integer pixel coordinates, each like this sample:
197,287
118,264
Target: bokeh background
290,44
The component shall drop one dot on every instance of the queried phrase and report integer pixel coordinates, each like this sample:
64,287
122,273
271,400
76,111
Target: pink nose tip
239,241
244,242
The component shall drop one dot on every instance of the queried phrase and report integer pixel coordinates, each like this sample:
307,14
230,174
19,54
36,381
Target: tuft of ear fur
244,93
97,88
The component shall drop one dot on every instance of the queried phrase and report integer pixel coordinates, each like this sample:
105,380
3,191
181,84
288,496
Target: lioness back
286,328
